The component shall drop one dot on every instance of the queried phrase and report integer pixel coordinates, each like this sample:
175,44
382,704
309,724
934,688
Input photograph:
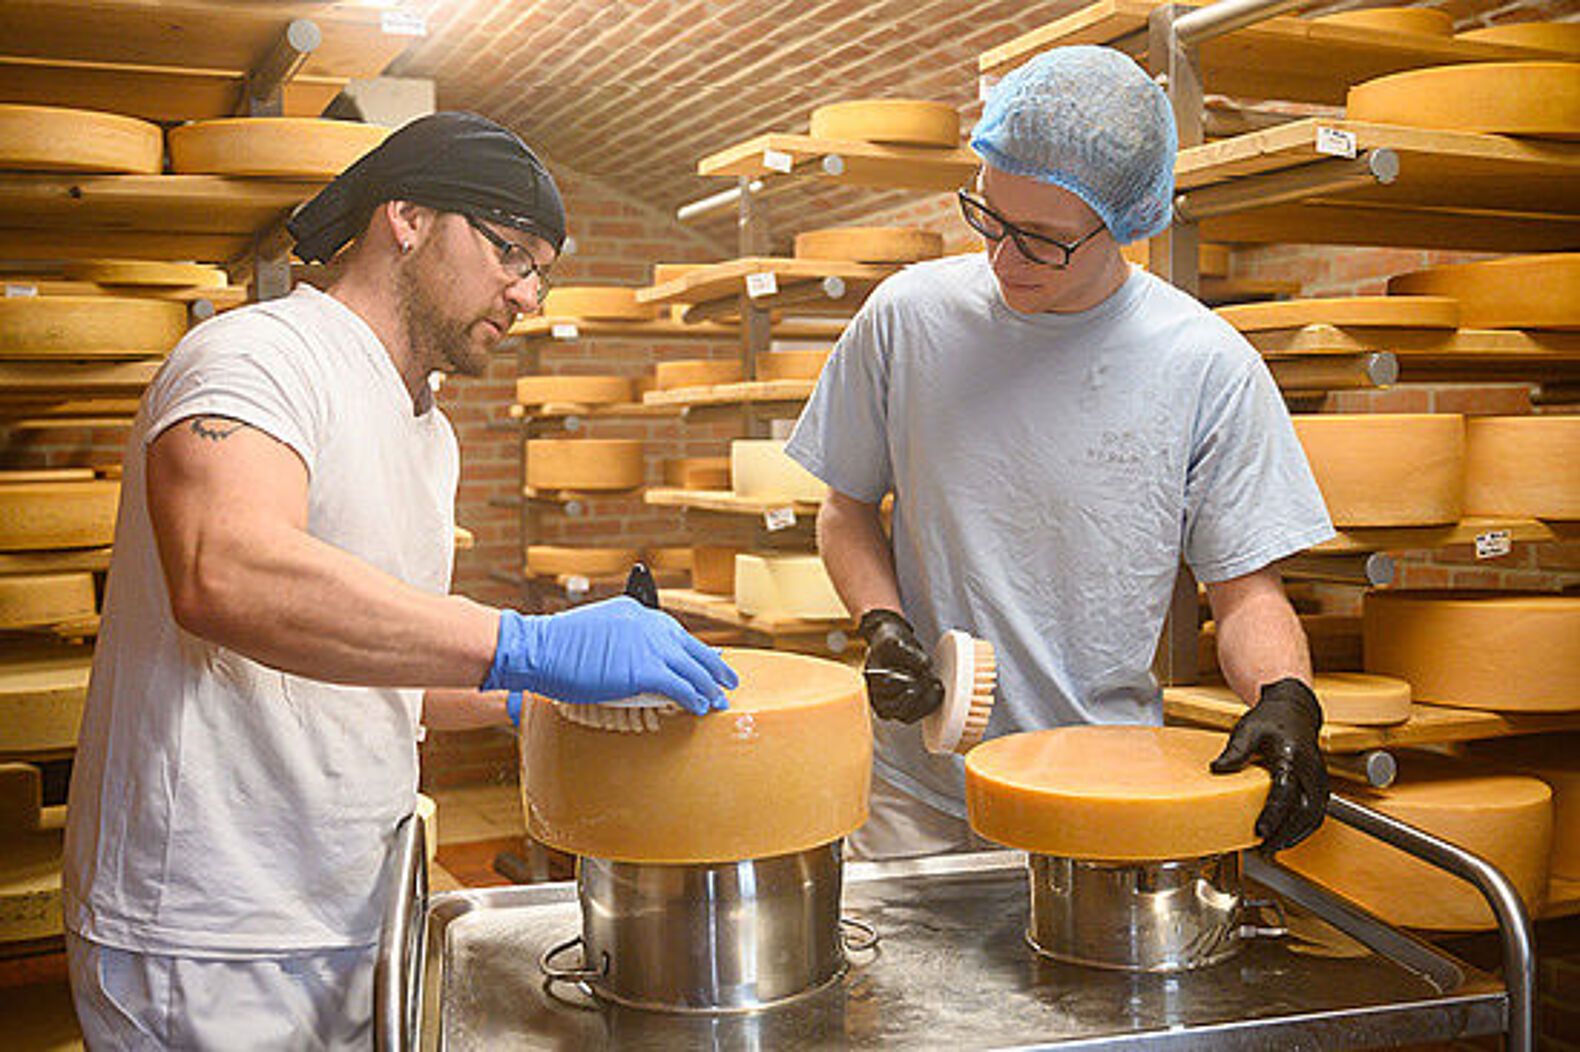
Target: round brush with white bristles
641,712
969,671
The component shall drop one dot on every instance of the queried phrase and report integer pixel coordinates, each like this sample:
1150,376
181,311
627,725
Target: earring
405,247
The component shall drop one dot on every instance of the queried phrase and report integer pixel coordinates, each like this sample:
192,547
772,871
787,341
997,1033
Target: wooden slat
733,394
222,298
542,328
865,164
559,409
1465,532
722,609
723,500
1343,222
1436,343
79,243
714,281
152,93
66,561
28,381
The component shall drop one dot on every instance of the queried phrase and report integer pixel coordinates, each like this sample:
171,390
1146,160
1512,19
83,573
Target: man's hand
901,683
1280,732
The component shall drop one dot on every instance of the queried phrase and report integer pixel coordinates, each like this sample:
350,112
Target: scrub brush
969,672
636,714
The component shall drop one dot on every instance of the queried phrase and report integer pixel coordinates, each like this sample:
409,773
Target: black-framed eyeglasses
516,260
1036,247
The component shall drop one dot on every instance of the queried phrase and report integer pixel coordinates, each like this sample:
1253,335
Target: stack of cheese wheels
797,586
42,690
30,852
870,244
1404,312
791,365
698,473
900,122
1353,698
147,273
282,147
1519,292
552,560
51,514
1503,651
1508,821
696,372
52,138
1560,37
89,326
1523,466
1387,469
572,390
759,467
785,768
1423,21
1555,759
1539,99
585,463
38,600
598,302
1112,793
713,569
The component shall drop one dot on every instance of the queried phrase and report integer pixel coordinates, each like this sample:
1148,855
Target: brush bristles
984,680
623,719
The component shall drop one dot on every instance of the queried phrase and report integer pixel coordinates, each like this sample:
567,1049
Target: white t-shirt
1049,472
219,807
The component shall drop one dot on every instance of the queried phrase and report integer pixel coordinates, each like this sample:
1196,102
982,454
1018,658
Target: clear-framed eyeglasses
516,260
1038,248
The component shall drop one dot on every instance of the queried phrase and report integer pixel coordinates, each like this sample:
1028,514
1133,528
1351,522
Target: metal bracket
262,93
1309,180
1373,569
1336,372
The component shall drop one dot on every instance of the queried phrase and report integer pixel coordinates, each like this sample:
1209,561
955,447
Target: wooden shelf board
559,409
68,561
223,298
564,496
865,164
1523,345
722,500
464,539
1218,291
30,381
1465,532
747,392
716,281
156,93
1563,898
542,328
1281,58
722,609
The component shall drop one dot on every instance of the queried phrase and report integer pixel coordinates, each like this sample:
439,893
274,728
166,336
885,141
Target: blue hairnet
1090,120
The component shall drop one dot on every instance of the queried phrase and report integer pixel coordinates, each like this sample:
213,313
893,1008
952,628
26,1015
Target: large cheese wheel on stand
903,122
585,463
1555,759
89,326
1523,466
1387,469
54,138
282,147
39,516
1520,292
784,769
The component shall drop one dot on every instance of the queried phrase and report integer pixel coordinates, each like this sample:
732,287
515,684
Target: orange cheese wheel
585,463
1505,820
53,138
1504,651
1123,794
40,600
12,476
870,244
1562,37
786,586
791,365
1386,469
1520,292
40,516
1424,21
603,302
696,372
146,272
575,390
713,569
1523,466
1416,312
68,326
1540,99
42,690
698,473
1555,759
671,559
30,902
784,769
905,122
552,560
759,467
283,147
1346,697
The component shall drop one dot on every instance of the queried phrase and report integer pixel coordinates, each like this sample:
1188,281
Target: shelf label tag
564,330
777,519
778,161
759,285
20,291
1336,142
1493,543
576,584
397,23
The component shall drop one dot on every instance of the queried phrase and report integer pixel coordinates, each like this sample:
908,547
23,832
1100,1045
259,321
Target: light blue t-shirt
1049,472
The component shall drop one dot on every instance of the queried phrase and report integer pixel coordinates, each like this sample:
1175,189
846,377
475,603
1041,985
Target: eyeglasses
1035,247
516,260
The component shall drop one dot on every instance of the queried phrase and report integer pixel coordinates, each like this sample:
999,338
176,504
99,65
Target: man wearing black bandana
278,606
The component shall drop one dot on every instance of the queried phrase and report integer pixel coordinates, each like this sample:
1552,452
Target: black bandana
455,162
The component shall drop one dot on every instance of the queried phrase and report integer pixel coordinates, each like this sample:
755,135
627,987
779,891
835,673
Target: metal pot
729,936
1142,917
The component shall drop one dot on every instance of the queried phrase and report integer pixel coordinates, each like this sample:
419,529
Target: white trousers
135,1001
901,826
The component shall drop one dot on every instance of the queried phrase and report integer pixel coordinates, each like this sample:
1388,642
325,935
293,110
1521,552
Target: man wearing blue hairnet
1059,430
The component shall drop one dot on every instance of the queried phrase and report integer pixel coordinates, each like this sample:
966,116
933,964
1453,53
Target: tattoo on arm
215,428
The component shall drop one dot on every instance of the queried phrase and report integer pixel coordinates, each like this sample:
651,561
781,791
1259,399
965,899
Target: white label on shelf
777,519
758,285
19,291
397,23
1493,543
778,161
1336,142
564,330
576,584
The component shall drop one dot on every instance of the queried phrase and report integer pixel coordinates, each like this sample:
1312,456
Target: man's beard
444,340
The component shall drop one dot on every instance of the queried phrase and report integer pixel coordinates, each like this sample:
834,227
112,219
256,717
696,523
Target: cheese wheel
42,690
1423,21
283,147
146,272
585,463
1523,466
1386,469
1212,260
674,560
784,769
30,903
870,244
40,516
52,138
1112,793
791,365
1413,312
786,586
604,302
1555,759
39,600
698,473
576,390
552,560
904,122
1505,820
696,372
9,477
49,326
1539,99
1563,37
1520,292
713,569
1354,698
759,467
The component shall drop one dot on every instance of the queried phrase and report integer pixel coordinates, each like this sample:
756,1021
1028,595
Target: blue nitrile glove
604,651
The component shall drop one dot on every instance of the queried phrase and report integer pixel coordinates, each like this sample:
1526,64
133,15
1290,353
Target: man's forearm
464,710
1260,640
856,552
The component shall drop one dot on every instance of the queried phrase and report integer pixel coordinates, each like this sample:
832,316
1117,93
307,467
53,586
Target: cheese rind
1387,469
1112,793
696,372
1355,698
146,272
54,138
1555,759
906,122
602,302
1423,21
42,691
791,365
1415,312
870,244
713,569
585,463
576,390
51,326
698,473
786,586
553,560
1519,292
41,516
784,769
1503,651
283,147
1523,466
759,467
1540,99
40,600
1562,37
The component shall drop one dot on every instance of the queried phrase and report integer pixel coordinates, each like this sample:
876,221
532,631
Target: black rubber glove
901,683
639,585
1280,732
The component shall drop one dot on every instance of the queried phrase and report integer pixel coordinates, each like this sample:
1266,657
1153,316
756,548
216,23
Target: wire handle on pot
581,977
1257,926
866,937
